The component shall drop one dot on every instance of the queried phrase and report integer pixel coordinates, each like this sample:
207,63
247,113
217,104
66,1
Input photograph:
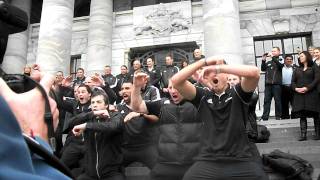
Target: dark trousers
225,170
73,155
271,91
304,125
286,99
147,155
168,171
116,176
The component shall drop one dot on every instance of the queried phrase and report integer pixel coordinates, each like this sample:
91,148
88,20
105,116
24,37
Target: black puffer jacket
179,133
273,71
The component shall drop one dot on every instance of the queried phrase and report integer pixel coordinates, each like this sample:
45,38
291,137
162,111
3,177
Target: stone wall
255,19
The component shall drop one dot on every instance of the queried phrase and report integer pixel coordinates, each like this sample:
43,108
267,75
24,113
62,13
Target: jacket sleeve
79,119
114,125
278,63
111,94
315,79
263,66
157,77
154,94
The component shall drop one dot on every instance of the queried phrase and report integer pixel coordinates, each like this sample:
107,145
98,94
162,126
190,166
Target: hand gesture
66,82
301,90
101,113
130,116
97,80
213,61
139,79
208,76
78,129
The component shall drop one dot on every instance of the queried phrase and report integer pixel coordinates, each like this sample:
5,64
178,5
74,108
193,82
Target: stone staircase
284,134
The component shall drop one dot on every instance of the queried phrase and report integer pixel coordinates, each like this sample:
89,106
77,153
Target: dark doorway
178,51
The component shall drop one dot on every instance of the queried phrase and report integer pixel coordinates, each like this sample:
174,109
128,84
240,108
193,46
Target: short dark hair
97,91
169,55
288,56
87,87
124,66
80,69
107,66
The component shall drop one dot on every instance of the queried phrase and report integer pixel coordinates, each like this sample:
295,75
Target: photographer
24,113
273,81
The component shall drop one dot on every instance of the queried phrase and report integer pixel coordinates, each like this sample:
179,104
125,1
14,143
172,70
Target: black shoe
315,137
263,119
285,117
278,118
303,137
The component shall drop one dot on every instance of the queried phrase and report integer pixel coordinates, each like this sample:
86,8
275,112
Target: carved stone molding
162,19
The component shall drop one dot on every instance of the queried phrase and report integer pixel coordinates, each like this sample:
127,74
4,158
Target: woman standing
304,82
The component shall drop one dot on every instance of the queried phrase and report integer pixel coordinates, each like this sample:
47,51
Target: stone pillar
222,30
15,57
54,45
99,36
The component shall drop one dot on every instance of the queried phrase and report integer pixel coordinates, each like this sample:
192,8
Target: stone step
293,147
145,176
288,134
287,123
278,176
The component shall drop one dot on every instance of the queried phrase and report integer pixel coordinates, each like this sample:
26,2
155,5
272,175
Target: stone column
54,45
99,36
15,57
222,30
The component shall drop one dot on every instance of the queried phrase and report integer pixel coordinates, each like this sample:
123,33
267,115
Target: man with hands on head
179,130
225,152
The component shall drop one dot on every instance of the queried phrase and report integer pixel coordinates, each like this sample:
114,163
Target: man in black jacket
166,73
139,146
103,137
273,81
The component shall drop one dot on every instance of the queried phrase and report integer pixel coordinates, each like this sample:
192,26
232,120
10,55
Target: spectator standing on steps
273,81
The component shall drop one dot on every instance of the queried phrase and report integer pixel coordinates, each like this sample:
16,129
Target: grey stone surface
99,51
222,30
54,45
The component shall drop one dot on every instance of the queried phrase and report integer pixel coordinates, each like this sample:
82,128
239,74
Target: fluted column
99,36
15,57
222,29
54,45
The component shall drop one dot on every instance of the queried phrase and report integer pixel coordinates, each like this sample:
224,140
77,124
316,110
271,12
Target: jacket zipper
97,160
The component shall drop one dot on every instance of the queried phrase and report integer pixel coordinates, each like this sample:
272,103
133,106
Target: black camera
17,82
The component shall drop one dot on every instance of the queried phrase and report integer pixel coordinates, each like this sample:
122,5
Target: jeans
271,91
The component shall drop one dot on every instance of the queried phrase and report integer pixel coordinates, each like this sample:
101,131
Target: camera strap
47,156
47,114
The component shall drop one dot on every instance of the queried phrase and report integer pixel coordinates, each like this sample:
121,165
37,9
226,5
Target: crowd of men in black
202,128
154,124
151,122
